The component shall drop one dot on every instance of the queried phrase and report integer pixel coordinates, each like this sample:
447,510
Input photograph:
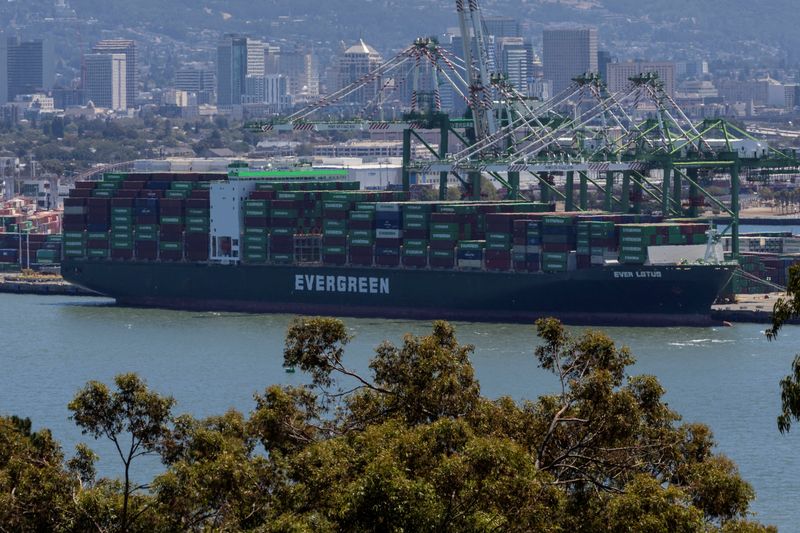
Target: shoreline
15,283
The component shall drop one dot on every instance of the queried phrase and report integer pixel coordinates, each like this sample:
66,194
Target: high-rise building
603,59
128,49
197,79
3,69
231,70
255,58
516,61
568,52
619,74
271,90
29,67
502,26
106,80
354,64
300,68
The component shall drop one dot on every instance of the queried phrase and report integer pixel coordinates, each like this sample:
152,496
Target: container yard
28,238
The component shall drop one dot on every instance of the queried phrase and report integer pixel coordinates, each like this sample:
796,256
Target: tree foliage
133,418
786,309
413,446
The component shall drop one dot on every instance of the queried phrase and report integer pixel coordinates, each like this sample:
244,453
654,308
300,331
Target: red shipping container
442,262
197,203
499,255
387,260
498,264
334,259
171,255
80,193
417,262
443,245
334,241
200,194
365,260
256,222
262,195
121,254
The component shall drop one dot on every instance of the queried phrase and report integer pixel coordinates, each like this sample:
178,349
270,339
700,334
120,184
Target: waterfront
725,377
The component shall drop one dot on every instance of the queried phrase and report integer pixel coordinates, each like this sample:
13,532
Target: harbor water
727,378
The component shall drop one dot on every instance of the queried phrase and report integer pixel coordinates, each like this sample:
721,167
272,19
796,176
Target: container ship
308,241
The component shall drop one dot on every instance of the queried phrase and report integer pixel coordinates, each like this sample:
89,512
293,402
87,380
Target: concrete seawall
17,284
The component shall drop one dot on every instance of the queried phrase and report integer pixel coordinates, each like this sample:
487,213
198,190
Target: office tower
299,66
197,79
29,67
502,26
619,74
3,69
106,80
603,59
271,90
516,61
569,52
255,58
231,70
355,63
128,49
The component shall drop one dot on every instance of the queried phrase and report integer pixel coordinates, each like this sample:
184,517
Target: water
210,362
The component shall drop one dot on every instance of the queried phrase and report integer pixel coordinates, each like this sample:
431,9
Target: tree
36,492
412,446
786,309
133,418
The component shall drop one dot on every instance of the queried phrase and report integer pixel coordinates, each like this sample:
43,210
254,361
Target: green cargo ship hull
618,295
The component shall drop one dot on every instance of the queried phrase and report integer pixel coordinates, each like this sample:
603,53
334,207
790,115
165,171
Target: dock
752,308
17,283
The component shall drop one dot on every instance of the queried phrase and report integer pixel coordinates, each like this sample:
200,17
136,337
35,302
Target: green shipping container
362,215
472,245
176,194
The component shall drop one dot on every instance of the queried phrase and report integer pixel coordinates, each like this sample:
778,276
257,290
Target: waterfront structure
128,49
106,81
568,52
